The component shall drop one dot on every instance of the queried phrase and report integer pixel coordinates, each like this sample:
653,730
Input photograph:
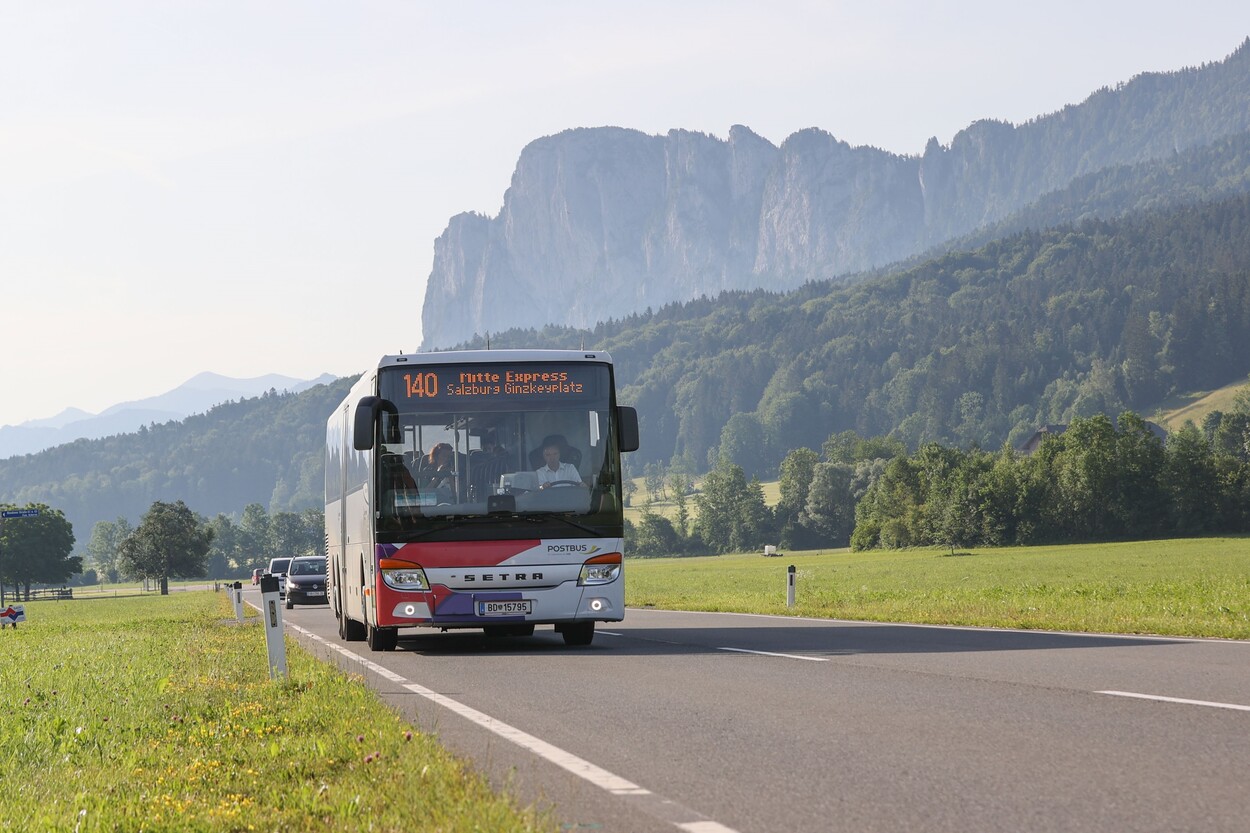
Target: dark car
306,581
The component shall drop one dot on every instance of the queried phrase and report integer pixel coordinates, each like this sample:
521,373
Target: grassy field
1173,413
667,508
157,713
1198,587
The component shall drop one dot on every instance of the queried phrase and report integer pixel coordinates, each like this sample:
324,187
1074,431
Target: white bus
478,489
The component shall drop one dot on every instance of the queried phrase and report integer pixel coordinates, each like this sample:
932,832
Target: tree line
233,549
170,541
1100,479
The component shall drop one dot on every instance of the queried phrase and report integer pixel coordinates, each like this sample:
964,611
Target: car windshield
308,567
279,565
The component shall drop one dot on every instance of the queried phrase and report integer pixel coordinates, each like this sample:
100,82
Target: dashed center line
738,650
774,654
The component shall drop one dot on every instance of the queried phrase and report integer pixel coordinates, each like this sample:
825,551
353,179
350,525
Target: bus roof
484,356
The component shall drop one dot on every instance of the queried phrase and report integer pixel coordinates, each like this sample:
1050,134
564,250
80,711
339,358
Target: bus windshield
497,441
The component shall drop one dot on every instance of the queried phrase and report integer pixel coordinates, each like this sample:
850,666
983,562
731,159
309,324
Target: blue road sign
19,513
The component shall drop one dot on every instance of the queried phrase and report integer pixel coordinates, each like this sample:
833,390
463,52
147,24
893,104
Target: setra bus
477,489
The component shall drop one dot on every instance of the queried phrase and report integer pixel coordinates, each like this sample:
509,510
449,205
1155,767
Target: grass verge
157,713
1194,587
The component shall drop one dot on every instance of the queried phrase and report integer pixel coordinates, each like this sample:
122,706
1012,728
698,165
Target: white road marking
1181,700
736,650
772,654
565,760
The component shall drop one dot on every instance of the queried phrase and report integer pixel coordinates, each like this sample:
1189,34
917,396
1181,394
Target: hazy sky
255,187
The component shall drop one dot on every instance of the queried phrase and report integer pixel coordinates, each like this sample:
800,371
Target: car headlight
601,569
403,575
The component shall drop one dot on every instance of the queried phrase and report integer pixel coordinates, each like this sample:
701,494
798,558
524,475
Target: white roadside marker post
271,614
236,595
790,586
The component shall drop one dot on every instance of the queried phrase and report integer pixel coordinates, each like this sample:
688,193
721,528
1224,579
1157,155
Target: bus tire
382,639
578,633
350,629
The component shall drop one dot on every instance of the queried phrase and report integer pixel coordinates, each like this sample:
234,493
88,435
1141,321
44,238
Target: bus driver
555,473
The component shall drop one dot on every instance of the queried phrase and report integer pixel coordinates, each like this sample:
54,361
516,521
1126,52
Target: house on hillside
1034,442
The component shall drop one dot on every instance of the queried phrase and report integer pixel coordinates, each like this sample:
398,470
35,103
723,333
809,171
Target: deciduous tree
170,542
36,549
106,537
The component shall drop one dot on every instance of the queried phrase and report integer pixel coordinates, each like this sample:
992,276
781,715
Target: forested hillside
969,348
267,450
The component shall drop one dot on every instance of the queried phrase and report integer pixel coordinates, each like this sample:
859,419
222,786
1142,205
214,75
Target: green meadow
1192,587
157,713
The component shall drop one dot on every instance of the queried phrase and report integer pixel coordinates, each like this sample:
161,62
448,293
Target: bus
477,489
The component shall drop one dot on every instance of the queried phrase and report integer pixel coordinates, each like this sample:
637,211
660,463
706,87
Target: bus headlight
601,569
403,575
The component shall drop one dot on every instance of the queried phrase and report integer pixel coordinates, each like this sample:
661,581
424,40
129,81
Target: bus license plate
522,607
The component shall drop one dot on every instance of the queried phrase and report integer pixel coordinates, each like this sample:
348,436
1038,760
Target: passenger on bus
554,472
438,472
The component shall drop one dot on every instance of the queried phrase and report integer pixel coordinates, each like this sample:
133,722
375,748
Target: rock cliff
601,222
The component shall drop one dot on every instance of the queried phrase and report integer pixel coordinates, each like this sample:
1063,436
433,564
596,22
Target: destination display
445,385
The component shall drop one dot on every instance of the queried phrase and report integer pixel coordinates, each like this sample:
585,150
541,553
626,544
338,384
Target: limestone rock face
602,222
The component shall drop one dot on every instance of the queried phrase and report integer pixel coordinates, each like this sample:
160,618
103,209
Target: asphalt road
720,722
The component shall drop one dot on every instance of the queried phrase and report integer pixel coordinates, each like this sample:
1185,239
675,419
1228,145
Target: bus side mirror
367,410
627,428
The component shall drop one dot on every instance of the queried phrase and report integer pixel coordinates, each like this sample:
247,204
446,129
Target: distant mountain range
194,396
601,222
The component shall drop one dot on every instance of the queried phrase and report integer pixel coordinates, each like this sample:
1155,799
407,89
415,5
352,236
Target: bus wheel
350,629
382,639
578,633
